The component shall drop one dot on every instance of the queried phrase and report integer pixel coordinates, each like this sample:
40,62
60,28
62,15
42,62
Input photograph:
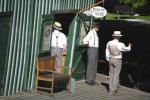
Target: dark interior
65,19
135,69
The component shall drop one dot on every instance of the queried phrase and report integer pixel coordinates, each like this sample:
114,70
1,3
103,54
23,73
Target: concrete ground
84,92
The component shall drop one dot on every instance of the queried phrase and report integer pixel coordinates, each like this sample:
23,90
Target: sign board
96,11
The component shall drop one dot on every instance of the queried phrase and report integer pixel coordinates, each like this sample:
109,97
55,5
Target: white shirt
121,46
91,39
58,39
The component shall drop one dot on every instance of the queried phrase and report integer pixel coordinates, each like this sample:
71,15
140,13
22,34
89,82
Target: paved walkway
138,20
85,92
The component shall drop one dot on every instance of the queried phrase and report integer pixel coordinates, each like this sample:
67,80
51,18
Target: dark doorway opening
65,19
47,28
135,69
5,22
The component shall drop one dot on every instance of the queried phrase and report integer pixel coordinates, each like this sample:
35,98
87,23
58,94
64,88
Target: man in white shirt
113,52
58,45
92,41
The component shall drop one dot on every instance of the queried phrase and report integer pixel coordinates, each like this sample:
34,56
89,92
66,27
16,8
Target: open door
5,19
76,51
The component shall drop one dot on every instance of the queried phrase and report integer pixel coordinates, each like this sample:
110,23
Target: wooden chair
46,73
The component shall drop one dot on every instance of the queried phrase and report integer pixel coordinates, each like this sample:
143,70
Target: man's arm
64,45
87,38
107,55
126,49
64,49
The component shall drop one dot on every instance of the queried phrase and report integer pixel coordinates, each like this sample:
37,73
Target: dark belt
56,47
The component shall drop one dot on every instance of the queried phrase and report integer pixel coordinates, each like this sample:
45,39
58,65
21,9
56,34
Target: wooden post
82,10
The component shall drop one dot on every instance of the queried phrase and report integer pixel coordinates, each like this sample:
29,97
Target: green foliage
113,16
136,4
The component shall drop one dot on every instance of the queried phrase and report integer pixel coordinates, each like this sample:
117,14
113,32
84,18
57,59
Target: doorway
4,44
47,29
65,19
75,28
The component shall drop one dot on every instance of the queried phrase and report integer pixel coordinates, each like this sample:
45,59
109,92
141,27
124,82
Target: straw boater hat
57,26
117,33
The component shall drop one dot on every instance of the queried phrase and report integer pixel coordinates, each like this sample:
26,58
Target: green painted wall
24,39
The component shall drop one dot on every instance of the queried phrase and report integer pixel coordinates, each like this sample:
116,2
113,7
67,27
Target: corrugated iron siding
24,42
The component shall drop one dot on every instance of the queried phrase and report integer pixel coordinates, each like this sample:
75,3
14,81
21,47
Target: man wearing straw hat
58,45
113,52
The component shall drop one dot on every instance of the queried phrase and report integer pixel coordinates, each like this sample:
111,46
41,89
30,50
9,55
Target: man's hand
64,50
130,45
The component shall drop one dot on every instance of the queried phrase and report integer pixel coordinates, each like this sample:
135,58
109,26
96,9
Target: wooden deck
84,92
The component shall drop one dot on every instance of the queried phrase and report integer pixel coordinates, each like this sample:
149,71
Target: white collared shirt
121,46
91,39
58,39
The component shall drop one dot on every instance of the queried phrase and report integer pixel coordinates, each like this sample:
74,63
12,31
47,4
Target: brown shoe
113,93
95,83
89,83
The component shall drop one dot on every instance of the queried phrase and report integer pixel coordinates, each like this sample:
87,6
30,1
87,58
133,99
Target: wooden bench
46,72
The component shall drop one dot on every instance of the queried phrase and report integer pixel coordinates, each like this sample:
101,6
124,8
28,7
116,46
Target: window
46,33
85,24
47,30
83,30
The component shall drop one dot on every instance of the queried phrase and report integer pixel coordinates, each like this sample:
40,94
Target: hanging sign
96,11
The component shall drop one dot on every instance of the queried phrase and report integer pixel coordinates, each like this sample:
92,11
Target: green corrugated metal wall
25,31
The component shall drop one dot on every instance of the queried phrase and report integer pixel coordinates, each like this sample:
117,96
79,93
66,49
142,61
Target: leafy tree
136,4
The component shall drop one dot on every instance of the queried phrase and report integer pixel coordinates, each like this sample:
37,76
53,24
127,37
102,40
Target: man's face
97,29
117,37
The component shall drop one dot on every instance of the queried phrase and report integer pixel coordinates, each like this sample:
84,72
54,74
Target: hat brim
58,28
117,35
